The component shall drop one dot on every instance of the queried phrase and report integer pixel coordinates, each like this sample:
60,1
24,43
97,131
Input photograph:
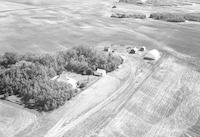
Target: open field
161,2
47,28
166,105
13,120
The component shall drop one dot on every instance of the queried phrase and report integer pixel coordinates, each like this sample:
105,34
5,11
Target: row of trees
29,76
176,17
170,17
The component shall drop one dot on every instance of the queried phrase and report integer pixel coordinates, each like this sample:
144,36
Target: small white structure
100,72
153,54
141,1
64,78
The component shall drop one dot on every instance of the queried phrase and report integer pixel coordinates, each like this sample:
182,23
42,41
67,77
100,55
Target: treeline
135,15
29,76
176,17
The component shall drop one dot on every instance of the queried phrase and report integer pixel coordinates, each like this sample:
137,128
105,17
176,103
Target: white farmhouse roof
64,78
153,55
100,72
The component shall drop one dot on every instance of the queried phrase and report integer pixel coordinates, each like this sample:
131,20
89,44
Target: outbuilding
152,55
140,2
133,50
100,72
142,48
107,49
114,7
64,78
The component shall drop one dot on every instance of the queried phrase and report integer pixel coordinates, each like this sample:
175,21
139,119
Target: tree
9,58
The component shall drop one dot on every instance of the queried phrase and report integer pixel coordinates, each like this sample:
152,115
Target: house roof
64,78
101,70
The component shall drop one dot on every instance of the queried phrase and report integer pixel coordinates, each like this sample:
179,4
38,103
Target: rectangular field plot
13,120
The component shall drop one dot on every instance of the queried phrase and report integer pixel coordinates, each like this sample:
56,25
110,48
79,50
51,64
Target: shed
152,55
133,50
107,49
64,78
114,7
141,1
142,48
100,72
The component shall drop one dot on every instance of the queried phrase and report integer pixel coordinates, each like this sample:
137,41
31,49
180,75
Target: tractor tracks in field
93,125
99,116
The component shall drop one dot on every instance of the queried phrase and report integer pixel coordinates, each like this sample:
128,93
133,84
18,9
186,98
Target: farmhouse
100,72
64,78
152,55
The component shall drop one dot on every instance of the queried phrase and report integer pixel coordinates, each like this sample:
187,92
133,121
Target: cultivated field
167,105
13,120
47,28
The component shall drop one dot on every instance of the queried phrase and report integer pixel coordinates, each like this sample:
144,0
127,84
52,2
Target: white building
152,55
141,1
64,78
100,72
